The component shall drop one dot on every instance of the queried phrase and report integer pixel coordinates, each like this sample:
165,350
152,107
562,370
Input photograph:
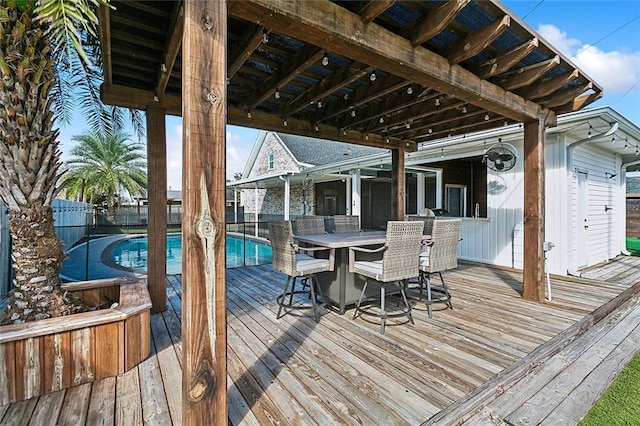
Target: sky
601,37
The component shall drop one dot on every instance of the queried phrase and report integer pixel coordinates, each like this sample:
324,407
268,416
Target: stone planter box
57,353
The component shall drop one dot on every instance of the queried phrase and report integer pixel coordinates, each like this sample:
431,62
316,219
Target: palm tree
104,167
40,49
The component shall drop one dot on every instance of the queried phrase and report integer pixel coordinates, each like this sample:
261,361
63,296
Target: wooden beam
204,365
157,196
362,95
436,21
334,28
579,103
397,184
263,121
504,62
477,40
171,49
528,75
534,195
249,41
104,19
129,97
331,84
545,88
374,9
561,98
303,59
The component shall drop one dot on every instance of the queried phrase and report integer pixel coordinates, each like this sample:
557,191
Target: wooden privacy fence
633,216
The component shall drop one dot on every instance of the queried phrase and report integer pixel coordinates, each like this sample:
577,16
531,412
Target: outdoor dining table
340,287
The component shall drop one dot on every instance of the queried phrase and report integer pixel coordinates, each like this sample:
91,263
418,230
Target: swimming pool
132,253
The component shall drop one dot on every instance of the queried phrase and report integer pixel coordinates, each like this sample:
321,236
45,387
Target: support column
347,191
157,207
356,194
287,196
204,94
255,204
420,187
534,159
397,184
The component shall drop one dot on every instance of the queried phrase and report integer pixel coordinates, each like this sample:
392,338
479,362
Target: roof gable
318,152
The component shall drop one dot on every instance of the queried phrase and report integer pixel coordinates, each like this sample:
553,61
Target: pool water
132,253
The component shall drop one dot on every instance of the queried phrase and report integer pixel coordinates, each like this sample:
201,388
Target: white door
582,227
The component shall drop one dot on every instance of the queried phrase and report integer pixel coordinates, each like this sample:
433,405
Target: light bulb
464,109
409,90
486,117
381,120
265,37
248,114
277,94
285,122
373,76
437,101
430,130
353,112
506,123
344,132
408,126
366,136
325,60
316,128
319,104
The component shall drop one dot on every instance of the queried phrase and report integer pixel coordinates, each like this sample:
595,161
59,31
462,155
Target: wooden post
157,201
204,340
397,184
534,153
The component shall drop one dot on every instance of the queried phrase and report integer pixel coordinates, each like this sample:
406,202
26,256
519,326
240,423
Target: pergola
383,73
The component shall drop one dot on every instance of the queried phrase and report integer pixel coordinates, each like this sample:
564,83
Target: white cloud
616,71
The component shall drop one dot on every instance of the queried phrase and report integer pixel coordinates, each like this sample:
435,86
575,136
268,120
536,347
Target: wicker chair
346,223
399,263
294,261
428,223
440,255
309,225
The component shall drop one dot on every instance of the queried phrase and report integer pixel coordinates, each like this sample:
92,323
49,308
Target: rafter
331,84
171,49
247,43
436,20
302,60
105,44
464,127
528,75
504,62
579,102
545,88
346,35
362,96
558,99
374,8
477,40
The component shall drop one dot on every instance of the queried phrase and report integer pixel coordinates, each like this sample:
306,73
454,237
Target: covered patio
495,356
390,74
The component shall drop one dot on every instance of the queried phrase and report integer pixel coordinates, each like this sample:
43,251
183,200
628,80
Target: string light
366,136
464,109
265,37
438,101
316,128
486,117
277,94
319,104
381,120
387,140
353,112
589,133
248,114
325,60
344,132
285,122
506,123
613,138
408,125
409,90
373,76
430,130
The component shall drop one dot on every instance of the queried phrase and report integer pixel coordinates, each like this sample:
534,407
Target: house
586,159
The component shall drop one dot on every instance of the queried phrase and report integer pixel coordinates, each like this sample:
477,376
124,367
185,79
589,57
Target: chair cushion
369,268
306,264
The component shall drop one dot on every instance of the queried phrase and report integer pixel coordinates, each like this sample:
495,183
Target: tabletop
342,240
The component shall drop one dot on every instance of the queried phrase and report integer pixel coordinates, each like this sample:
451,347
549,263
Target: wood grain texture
157,190
534,155
204,386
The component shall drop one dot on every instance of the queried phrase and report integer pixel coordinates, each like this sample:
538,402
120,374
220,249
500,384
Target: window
271,161
456,200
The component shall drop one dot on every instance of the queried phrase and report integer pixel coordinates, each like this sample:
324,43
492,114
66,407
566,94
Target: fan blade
506,156
493,155
499,166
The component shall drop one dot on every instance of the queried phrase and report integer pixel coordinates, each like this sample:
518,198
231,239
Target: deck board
342,371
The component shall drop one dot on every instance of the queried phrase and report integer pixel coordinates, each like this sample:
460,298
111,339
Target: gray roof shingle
321,151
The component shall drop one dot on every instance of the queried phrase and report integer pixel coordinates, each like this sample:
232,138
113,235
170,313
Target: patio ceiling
380,73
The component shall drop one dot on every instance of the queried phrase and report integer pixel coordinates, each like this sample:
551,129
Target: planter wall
57,353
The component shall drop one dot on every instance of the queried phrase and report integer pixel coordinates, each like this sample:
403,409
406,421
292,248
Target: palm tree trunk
37,256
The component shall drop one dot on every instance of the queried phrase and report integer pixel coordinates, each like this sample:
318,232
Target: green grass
620,404
633,246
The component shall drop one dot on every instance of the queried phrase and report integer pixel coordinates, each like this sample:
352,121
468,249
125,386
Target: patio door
456,200
582,225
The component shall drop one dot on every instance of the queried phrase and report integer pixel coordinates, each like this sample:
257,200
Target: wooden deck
470,360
